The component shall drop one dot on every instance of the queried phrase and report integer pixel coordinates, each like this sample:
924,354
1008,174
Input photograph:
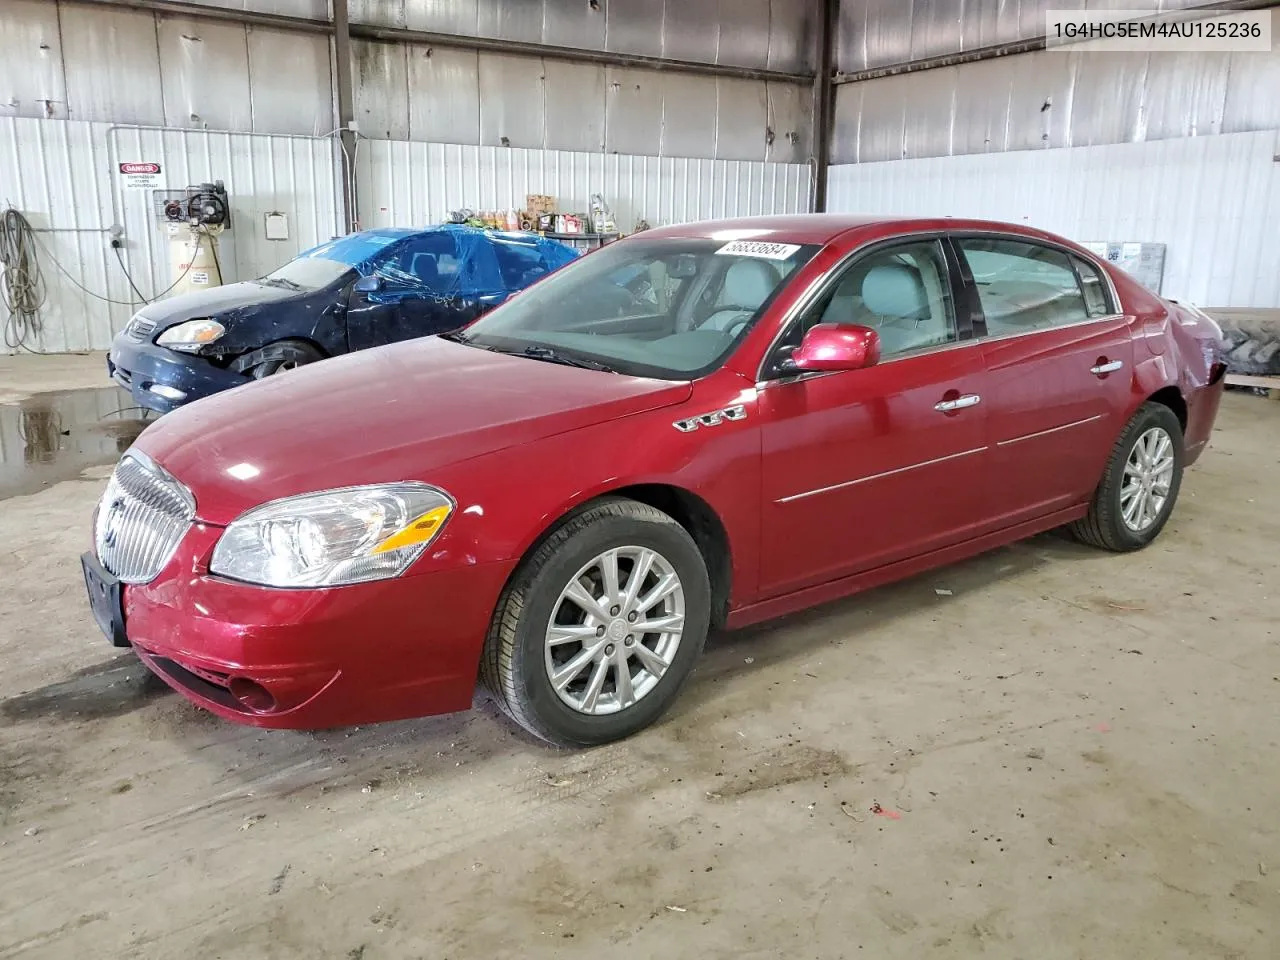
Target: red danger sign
139,168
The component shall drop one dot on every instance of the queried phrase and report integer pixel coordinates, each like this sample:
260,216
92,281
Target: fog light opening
251,695
169,393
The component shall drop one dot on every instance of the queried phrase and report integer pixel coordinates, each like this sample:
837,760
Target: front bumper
310,659
139,367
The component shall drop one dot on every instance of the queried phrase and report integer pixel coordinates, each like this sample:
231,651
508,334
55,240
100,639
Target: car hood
394,413
205,303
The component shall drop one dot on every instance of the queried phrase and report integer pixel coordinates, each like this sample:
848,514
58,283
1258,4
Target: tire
1106,525
279,358
517,661
1252,347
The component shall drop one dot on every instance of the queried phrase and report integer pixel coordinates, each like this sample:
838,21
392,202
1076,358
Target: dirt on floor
1045,752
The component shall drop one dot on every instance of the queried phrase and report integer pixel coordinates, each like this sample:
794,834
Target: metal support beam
181,8
363,31
824,103
346,109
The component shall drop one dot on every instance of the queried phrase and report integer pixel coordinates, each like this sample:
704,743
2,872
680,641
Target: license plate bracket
105,599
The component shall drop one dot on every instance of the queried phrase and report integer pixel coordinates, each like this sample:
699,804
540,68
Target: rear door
1059,358
861,468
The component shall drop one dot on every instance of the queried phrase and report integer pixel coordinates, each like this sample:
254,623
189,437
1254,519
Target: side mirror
371,284
836,346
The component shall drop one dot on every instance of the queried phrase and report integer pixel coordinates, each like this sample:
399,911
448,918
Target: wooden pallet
1265,383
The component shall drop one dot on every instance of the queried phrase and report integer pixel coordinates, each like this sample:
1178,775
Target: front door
417,294
1059,366
862,468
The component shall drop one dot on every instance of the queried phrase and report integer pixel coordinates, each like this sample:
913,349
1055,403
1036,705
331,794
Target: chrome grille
142,517
140,328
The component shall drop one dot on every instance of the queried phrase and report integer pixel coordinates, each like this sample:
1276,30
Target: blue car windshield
672,307
329,262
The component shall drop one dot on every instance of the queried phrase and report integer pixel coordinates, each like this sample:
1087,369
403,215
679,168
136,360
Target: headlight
337,537
192,335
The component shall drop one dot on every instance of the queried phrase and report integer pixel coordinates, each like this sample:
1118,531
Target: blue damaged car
355,292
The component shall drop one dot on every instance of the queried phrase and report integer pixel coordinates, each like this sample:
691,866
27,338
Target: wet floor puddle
51,437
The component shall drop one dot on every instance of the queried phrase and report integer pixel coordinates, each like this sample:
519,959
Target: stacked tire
1252,346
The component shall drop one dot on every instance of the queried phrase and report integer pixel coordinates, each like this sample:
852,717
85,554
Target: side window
1023,286
1097,298
519,264
902,292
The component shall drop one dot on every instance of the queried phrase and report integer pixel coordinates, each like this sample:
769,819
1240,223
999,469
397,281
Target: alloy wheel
1148,476
614,630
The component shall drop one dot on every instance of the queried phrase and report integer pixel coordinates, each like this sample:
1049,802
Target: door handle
959,403
1110,366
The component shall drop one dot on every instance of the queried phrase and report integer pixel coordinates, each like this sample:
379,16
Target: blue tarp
451,260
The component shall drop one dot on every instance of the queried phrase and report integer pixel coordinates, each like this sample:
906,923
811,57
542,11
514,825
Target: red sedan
700,426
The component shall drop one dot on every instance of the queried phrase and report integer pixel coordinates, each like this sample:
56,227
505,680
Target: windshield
329,262
672,308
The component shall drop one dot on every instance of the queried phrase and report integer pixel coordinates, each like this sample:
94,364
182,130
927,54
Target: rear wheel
600,626
1140,486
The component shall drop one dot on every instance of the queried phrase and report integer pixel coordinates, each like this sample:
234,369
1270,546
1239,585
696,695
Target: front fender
509,499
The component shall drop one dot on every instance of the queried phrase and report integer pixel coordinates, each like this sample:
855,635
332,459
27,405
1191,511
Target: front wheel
1140,486
600,627
279,357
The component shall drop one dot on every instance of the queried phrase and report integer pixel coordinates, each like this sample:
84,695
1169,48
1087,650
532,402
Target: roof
824,227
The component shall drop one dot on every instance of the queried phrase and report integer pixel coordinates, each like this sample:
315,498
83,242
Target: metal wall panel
511,21
31,83
689,108
290,83
691,30
383,13
411,184
312,9
572,23
62,178
744,32
192,54
1251,101
742,120
635,27
633,111
778,34
437,16
793,35
380,75
877,33
575,105
790,123
444,94
1055,99
112,66
1186,96
1214,201
511,101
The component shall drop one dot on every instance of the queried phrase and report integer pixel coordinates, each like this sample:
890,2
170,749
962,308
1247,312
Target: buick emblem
111,522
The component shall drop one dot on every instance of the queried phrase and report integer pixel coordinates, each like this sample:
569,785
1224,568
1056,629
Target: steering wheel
731,308
736,327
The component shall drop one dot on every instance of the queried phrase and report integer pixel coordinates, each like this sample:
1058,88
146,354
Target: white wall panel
1214,201
290,82
60,175
414,184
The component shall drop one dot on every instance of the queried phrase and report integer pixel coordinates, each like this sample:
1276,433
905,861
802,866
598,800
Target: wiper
457,336
282,282
546,353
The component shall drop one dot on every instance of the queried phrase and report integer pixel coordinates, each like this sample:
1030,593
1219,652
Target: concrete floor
1070,754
